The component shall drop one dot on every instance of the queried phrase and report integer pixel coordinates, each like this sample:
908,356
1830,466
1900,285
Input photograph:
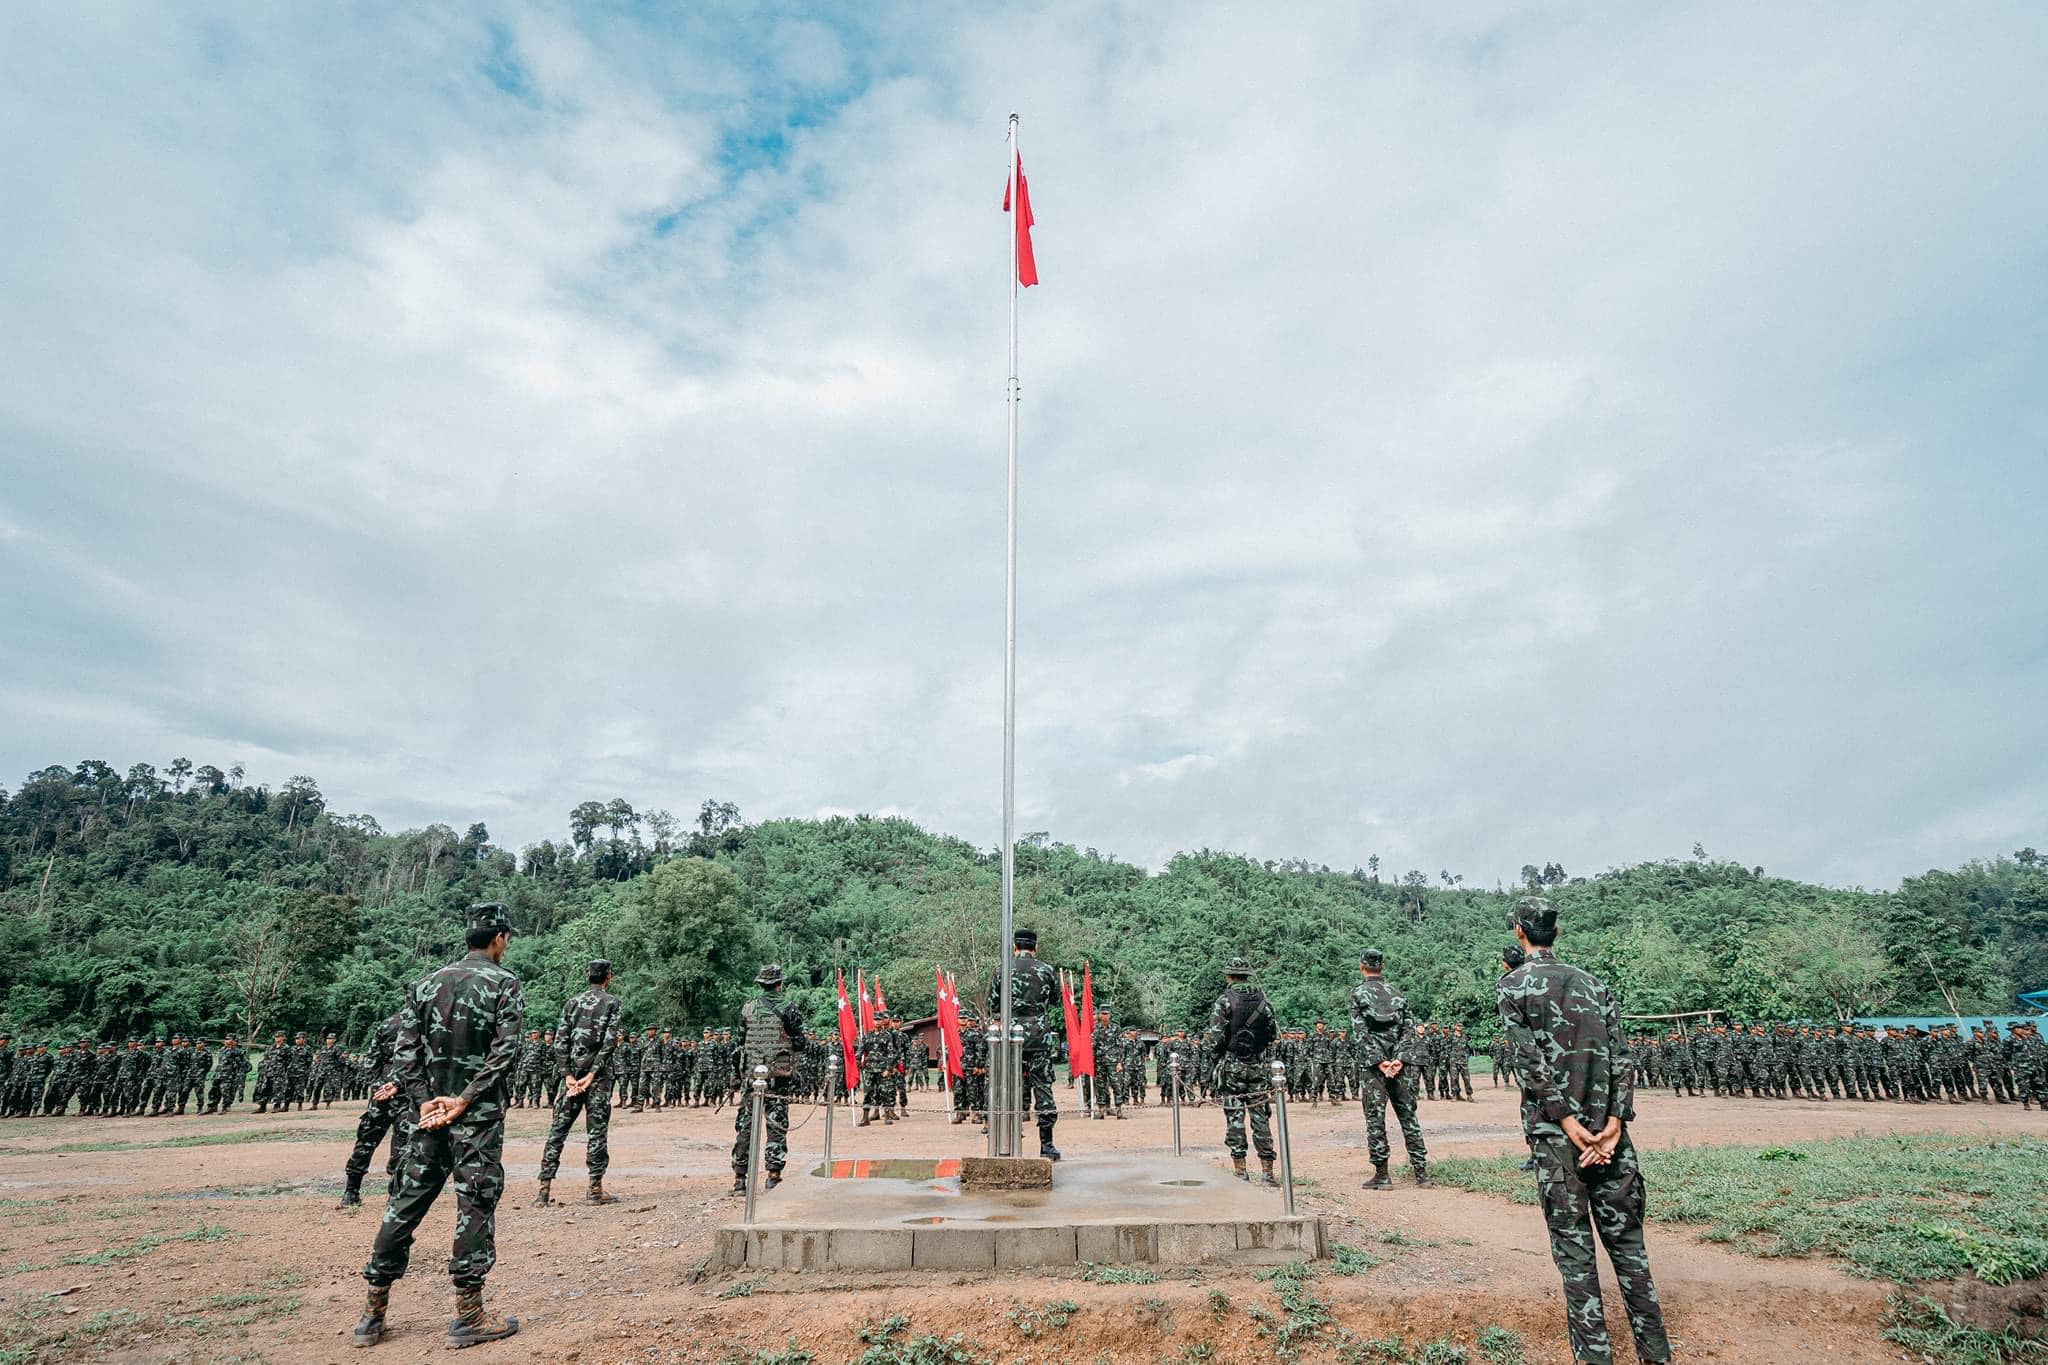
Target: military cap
1534,912
602,966
769,975
491,915
1372,957
1237,966
1025,938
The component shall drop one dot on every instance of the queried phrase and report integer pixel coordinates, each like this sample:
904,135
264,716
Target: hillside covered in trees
187,900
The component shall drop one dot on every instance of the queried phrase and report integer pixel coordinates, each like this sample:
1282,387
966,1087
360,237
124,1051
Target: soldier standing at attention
771,1032
1034,996
458,1038
1242,1031
585,1038
1568,1046
387,1111
1387,1046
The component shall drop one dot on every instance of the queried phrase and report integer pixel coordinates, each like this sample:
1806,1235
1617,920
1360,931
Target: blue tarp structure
2037,999
1897,1023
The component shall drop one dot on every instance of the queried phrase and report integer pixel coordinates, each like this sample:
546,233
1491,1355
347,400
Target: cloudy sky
1453,434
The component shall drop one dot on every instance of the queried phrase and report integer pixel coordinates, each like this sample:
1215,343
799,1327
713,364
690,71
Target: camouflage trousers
1037,1083
774,1127
469,1149
1607,1200
1246,1091
1375,1093
595,1104
222,1093
394,1116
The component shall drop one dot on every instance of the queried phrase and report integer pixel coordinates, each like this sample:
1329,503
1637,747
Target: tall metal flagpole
1011,1066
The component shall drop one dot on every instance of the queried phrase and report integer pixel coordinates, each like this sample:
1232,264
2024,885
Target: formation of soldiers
1323,1063
1846,1062
171,1077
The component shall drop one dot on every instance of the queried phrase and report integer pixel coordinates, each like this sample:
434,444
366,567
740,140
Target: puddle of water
890,1168
935,1218
1183,1182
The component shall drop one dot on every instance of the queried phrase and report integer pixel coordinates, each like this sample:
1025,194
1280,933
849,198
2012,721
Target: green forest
187,900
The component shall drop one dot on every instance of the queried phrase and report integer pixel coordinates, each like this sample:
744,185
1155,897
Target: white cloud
1471,438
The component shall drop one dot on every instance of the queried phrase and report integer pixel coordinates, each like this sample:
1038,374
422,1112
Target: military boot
472,1326
1237,1168
739,1183
544,1198
597,1194
370,1330
352,1193
774,1179
1421,1170
959,1116
1380,1179
1266,1176
1045,1147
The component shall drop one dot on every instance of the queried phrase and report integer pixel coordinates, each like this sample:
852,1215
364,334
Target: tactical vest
1247,1033
764,1038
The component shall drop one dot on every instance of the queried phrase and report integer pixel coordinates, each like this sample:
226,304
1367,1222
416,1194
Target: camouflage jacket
379,1064
1382,1029
588,1033
459,1031
1034,994
1566,1032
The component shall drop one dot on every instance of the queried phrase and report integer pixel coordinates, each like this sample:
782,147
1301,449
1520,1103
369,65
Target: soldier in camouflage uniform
1103,1096
770,1032
586,1036
1242,1031
1034,1005
1567,1035
387,1111
1384,1034
973,1066
458,1038
199,1067
228,1074
2029,1065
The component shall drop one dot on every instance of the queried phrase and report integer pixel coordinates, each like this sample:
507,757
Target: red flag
1088,1005
1027,263
1080,1053
867,1004
880,1003
849,1043
949,1022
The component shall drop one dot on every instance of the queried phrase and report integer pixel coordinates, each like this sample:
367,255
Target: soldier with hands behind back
1241,1033
1388,1058
1572,1059
585,1038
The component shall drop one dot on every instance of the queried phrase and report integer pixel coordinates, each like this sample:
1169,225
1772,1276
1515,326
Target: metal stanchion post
754,1139
1173,1081
1017,1097
1280,1121
993,1084
832,1065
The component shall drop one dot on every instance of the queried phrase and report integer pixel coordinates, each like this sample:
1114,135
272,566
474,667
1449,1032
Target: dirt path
234,1249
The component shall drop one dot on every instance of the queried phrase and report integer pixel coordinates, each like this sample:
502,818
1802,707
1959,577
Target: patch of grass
1219,1304
739,1289
1195,1353
1117,1274
141,1246
1346,1259
1394,1350
1305,1317
240,1309
1924,1329
889,1343
1032,1323
1902,1208
1501,1347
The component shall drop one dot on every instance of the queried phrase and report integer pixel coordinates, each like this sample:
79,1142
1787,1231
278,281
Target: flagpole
1012,1123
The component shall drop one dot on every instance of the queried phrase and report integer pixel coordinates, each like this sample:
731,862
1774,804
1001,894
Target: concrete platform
902,1214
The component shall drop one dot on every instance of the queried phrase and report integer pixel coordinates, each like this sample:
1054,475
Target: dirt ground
236,1250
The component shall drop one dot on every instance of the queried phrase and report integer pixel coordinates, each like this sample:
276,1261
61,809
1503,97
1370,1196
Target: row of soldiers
1852,1062
168,1078
174,1076
1322,1064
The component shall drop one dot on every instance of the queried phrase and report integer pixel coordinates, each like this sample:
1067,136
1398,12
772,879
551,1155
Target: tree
583,823
266,947
692,934
619,815
181,768
1830,965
